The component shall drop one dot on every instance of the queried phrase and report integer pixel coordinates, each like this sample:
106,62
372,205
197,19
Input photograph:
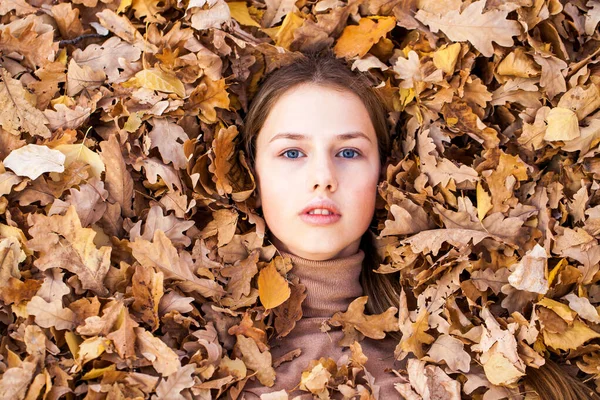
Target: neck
331,285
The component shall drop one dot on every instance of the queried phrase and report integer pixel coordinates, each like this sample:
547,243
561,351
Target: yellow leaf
74,152
133,122
501,371
484,202
98,372
273,289
73,341
445,58
239,12
156,79
124,5
207,96
561,309
356,40
562,125
91,349
556,270
285,35
572,338
518,63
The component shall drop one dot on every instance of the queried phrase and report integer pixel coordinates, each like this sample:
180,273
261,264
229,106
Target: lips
322,203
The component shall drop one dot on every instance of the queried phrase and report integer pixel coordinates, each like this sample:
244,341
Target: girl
317,139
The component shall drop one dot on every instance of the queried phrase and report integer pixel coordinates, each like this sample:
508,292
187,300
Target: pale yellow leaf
80,152
562,125
33,160
156,79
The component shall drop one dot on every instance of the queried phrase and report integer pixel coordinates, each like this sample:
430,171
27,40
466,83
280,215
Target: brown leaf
64,243
17,114
147,289
372,326
161,254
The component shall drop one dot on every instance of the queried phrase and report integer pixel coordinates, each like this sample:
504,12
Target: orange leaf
273,289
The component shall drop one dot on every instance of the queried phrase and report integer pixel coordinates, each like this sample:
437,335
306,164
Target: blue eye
297,152
291,150
350,150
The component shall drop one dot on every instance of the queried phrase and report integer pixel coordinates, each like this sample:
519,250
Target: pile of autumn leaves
133,264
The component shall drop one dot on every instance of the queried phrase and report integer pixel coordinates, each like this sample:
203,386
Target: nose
323,172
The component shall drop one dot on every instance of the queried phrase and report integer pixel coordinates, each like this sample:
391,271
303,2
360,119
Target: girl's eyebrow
299,136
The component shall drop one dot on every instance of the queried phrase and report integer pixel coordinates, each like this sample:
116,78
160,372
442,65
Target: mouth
320,219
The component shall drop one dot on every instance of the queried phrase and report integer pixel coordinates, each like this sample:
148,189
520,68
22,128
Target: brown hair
383,290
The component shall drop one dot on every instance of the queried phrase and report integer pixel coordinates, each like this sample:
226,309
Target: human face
293,171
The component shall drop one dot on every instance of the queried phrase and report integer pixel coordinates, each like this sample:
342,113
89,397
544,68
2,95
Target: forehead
312,110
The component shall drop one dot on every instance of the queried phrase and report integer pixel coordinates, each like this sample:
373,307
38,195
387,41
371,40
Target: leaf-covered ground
133,264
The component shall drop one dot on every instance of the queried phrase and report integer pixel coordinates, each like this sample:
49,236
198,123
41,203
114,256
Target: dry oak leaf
255,360
76,152
16,380
247,329
123,337
118,181
35,42
164,360
562,125
414,336
531,273
17,113
67,118
170,388
451,350
441,170
372,326
147,289
164,136
475,26
212,17
83,78
107,56
288,313
575,336
157,79
239,12
240,274
206,96
64,243
583,307
161,254
34,160
357,40
430,383
50,314
172,226
273,288
20,6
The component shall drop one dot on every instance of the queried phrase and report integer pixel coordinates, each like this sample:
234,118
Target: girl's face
301,157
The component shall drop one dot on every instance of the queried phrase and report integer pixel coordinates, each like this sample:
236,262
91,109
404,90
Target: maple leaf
475,26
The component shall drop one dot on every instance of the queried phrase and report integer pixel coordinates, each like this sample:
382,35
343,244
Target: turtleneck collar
331,285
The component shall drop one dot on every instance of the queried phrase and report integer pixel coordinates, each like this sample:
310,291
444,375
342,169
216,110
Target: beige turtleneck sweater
331,286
